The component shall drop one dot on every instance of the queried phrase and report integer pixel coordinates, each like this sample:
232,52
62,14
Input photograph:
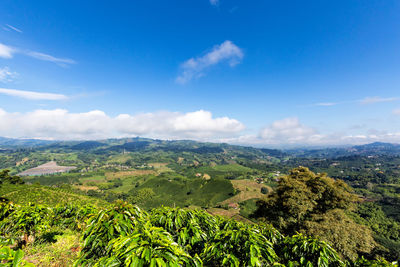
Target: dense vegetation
126,235
316,204
357,217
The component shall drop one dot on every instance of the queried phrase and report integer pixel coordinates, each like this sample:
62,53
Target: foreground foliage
125,235
9,257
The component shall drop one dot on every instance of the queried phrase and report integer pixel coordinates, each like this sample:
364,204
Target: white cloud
377,99
326,104
6,75
364,101
13,28
214,2
198,125
61,124
288,130
32,95
196,67
8,52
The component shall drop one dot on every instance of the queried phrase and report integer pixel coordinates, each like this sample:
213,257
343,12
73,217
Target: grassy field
248,190
160,167
57,248
120,159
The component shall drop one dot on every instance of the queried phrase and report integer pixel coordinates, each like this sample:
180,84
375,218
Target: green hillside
182,192
226,180
43,195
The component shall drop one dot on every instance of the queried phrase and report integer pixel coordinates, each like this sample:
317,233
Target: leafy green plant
107,225
189,228
125,235
6,208
26,220
148,246
72,216
238,244
12,258
300,250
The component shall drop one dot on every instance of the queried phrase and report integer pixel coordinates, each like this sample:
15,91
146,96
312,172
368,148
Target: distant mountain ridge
147,144
6,143
372,149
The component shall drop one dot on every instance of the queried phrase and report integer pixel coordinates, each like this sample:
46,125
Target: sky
263,73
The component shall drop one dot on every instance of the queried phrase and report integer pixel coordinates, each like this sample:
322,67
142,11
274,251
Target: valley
223,180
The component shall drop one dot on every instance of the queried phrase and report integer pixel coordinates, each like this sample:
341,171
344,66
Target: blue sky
266,73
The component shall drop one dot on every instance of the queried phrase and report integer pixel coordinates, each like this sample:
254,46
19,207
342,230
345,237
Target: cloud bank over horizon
201,125
291,132
96,124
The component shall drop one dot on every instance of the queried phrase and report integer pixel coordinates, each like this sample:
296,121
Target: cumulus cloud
8,52
6,75
62,124
288,130
196,67
32,95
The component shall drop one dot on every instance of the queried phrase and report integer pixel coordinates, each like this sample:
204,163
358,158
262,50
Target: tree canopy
316,204
5,177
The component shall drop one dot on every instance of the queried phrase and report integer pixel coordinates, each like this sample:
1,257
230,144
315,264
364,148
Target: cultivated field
47,168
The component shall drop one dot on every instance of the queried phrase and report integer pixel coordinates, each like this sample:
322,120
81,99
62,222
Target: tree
5,177
315,204
348,237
